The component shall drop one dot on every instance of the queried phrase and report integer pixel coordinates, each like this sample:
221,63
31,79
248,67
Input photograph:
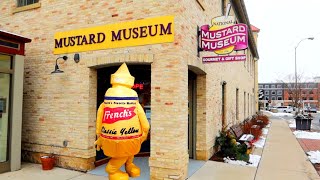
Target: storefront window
5,81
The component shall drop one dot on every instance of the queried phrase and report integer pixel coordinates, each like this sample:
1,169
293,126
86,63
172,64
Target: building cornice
241,13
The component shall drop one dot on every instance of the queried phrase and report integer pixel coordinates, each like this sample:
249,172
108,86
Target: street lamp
295,70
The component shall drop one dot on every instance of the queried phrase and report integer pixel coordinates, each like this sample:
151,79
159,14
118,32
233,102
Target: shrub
264,119
229,147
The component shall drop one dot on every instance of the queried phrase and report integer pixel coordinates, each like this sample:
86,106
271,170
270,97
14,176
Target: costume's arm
143,122
99,119
98,126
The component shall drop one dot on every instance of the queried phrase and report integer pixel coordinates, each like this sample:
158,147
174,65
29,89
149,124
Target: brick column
169,117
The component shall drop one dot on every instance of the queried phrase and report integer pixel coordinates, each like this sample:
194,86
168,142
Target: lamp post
295,70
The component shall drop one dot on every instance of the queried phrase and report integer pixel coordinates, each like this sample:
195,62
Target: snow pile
253,161
268,113
265,131
268,125
292,125
283,114
260,143
307,135
314,156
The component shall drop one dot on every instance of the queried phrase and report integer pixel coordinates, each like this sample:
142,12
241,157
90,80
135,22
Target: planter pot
47,162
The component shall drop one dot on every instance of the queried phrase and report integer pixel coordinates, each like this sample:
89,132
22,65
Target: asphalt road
315,123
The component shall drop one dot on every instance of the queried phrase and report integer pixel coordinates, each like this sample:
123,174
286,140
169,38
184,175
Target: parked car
310,110
285,109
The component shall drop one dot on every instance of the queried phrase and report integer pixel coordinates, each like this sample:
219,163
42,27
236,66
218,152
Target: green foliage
228,146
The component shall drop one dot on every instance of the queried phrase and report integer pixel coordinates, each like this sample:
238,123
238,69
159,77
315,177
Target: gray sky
282,24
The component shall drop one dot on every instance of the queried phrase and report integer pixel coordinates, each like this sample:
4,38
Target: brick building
283,94
187,101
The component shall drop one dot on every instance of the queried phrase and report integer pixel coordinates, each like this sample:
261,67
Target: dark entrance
192,113
142,85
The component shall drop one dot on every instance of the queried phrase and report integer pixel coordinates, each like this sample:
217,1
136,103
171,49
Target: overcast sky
282,24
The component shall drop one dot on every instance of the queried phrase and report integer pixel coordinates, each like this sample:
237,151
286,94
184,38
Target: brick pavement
310,145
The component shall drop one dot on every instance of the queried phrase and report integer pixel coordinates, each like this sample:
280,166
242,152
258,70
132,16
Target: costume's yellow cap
122,76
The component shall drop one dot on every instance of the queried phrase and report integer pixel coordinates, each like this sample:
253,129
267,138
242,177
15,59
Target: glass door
5,85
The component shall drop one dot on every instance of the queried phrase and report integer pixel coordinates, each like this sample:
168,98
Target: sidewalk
282,158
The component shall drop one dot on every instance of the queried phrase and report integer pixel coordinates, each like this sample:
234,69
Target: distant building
283,94
272,94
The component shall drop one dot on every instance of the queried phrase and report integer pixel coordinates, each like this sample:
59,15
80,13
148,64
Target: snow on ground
314,156
283,114
265,131
253,161
260,143
292,125
269,113
307,135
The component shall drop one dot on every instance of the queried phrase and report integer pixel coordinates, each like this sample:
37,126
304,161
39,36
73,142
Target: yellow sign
135,33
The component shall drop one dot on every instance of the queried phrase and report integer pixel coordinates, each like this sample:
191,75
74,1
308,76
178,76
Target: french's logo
112,115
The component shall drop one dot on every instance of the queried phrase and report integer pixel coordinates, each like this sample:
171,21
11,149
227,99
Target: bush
229,147
264,119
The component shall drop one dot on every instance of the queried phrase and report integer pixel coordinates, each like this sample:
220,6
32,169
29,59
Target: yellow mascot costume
121,125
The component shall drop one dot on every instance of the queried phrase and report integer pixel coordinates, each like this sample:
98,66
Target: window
273,92
310,92
289,85
304,98
260,86
244,105
273,98
279,92
267,98
26,2
223,7
279,98
266,92
266,86
279,86
273,86
310,98
237,104
290,98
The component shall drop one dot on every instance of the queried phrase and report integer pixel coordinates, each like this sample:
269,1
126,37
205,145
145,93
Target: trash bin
303,123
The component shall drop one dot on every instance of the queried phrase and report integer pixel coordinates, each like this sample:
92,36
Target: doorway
142,85
192,114
5,93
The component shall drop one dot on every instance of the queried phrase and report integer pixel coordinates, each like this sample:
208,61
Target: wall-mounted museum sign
134,33
222,38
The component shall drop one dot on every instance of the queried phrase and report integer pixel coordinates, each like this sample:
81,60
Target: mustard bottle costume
121,125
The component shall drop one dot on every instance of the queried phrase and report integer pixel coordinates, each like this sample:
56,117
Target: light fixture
56,68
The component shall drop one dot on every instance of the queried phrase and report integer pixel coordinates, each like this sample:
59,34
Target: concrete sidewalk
283,157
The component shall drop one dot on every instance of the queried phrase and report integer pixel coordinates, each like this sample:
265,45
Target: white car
285,109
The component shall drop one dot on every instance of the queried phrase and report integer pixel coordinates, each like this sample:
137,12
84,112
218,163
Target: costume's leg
113,168
132,170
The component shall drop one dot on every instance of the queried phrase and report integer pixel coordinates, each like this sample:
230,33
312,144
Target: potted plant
48,161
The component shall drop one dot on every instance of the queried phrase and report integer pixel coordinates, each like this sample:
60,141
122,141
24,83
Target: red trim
121,137
8,50
17,38
6,36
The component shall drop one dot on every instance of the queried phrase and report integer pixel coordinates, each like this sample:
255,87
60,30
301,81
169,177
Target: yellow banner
135,33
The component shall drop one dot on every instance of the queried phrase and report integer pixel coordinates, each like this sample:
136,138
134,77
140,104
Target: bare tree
296,92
